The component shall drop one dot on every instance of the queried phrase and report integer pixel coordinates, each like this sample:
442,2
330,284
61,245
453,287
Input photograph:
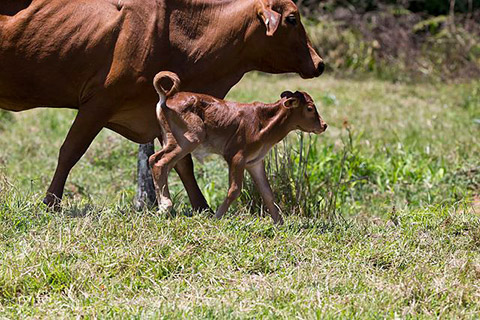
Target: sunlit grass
400,161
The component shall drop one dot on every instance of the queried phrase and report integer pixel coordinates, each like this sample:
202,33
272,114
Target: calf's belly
203,151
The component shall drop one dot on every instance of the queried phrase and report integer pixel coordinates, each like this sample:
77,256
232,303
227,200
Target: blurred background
398,40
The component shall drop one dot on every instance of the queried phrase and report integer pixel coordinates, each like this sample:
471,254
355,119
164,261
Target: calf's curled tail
167,84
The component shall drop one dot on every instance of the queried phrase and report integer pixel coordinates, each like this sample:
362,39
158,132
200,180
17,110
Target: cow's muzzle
320,68
315,70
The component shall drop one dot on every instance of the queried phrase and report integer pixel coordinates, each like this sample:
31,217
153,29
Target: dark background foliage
432,7
397,40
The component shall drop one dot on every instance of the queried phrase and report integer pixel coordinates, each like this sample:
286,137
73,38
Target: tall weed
318,180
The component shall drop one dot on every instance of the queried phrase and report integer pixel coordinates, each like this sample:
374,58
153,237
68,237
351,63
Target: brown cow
100,57
241,133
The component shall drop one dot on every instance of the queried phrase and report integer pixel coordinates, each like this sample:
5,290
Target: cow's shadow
79,211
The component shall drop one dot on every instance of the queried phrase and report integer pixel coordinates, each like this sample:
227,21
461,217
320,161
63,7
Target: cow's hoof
52,202
188,213
208,211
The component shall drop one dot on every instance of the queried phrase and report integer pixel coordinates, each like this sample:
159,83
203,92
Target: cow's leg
145,188
236,169
184,168
84,129
257,172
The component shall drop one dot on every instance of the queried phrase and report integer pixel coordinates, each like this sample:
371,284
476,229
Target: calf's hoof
165,208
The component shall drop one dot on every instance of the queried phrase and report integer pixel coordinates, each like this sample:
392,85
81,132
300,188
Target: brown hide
100,56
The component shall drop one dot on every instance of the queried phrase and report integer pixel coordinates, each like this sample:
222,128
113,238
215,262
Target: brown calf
242,133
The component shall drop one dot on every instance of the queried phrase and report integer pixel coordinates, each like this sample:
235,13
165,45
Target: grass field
382,217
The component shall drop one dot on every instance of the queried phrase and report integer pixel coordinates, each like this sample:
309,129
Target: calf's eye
291,19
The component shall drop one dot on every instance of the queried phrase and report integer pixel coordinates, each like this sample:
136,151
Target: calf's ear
291,103
270,18
286,94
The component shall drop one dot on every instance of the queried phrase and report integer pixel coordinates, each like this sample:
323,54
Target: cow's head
281,41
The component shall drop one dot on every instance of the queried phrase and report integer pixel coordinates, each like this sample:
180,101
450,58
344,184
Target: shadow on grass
79,210
318,226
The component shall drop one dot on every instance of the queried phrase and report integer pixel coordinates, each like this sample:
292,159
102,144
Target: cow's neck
209,39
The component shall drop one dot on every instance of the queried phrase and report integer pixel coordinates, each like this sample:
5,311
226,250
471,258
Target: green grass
400,164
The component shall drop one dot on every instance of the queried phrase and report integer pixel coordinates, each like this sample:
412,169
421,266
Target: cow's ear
270,18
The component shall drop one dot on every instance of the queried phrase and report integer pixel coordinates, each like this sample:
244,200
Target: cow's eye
291,19
309,109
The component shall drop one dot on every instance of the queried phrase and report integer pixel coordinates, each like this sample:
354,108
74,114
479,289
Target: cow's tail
166,83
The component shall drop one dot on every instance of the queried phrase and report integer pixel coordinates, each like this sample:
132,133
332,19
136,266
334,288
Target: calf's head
281,42
304,115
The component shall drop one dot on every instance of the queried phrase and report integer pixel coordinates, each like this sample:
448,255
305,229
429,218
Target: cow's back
56,52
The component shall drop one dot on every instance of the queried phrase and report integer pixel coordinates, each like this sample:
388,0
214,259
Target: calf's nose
323,126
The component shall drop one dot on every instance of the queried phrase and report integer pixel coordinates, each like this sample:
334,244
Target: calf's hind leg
162,163
160,179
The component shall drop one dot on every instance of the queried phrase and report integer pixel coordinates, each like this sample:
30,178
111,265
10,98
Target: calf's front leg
259,176
236,168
